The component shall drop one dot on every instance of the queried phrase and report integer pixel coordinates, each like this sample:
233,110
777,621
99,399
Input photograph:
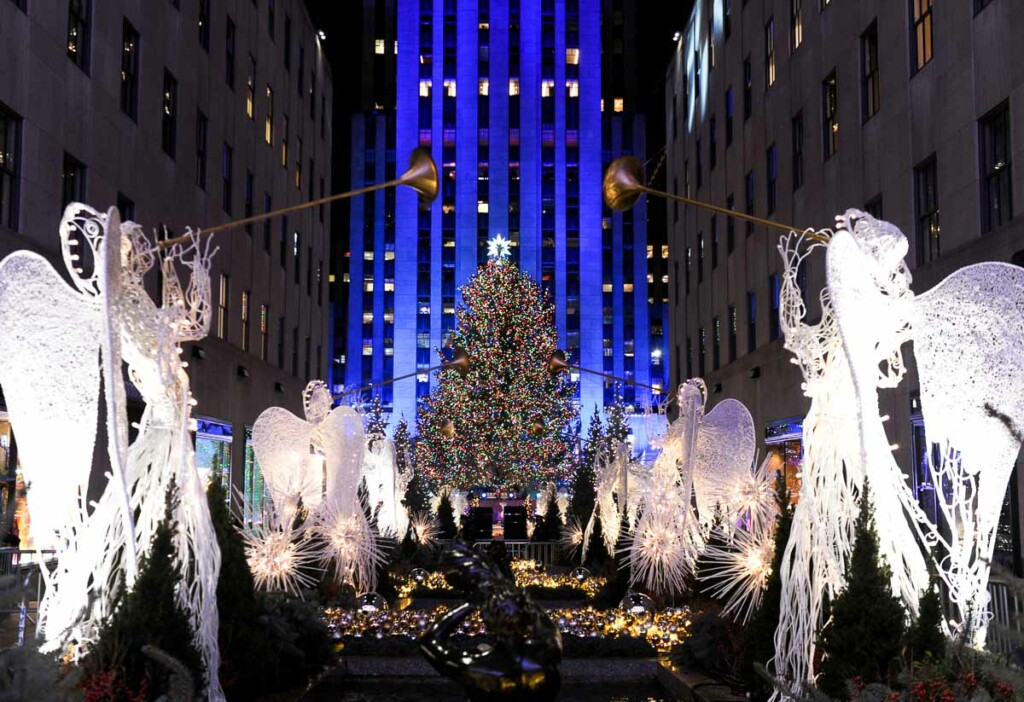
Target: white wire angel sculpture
315,463
968,335
60,343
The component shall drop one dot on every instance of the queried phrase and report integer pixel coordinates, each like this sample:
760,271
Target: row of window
996,206
263,328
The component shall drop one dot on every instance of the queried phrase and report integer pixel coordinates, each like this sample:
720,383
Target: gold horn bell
421,176
557,362
623,183
460,361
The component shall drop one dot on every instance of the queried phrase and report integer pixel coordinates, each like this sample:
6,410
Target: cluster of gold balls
662,630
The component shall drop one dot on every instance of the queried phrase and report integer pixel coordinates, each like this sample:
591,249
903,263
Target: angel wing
724,455
969,341
283,443
51,379
343,441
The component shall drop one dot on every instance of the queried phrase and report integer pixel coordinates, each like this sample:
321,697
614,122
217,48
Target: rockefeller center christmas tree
506,423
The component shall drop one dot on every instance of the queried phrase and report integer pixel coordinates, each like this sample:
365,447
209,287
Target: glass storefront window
253,488
213,451
784,442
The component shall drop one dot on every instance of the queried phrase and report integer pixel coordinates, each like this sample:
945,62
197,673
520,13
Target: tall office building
795,111
509,97
184,113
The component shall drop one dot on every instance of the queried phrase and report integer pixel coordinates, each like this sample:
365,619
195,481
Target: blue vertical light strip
406,139
498,172
466,139
353,366
590,199
529,100
380,148
558,90
642,309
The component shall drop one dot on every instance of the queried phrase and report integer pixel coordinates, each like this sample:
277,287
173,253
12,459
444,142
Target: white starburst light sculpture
57,343
738,568
424,528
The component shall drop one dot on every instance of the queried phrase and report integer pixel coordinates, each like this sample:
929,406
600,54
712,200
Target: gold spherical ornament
537,426
448,427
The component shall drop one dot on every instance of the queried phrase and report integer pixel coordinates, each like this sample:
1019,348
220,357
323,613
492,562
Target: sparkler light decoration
424,528
738,569
571,540
57,343
279,561
968,335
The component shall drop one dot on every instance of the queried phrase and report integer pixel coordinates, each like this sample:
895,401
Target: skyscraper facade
184,114
509,97
795,111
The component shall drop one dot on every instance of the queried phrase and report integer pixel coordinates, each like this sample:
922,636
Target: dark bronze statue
518,659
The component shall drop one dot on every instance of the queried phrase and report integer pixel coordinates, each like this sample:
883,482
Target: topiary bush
150,614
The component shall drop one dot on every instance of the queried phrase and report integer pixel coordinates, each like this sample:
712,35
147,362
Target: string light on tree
503,420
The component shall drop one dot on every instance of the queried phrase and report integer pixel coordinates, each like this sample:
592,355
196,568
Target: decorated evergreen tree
597,552
403,446
925,638
504,424
865,632
759,642
583,492
376,422
150,614
617,431
244,652
549,528
446,518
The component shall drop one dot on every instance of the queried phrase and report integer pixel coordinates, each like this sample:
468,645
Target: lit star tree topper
499,248
509,416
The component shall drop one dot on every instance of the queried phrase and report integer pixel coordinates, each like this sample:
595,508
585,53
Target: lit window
425,88
664,250
627,287
389,255
546,88
484,26
650,277
650,251
389,286
367,255
396,47
367,317
449,88
485,87
513,86
481,207
572,56
378,46
389,351
619,105
367,349
574,88
602,104
368,285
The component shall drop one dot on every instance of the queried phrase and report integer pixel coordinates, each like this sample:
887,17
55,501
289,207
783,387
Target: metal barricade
21,583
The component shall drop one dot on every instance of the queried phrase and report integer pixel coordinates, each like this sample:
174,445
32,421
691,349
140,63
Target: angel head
881,240
316,401
693,388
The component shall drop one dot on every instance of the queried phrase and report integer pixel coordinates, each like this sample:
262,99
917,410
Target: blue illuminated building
521,117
